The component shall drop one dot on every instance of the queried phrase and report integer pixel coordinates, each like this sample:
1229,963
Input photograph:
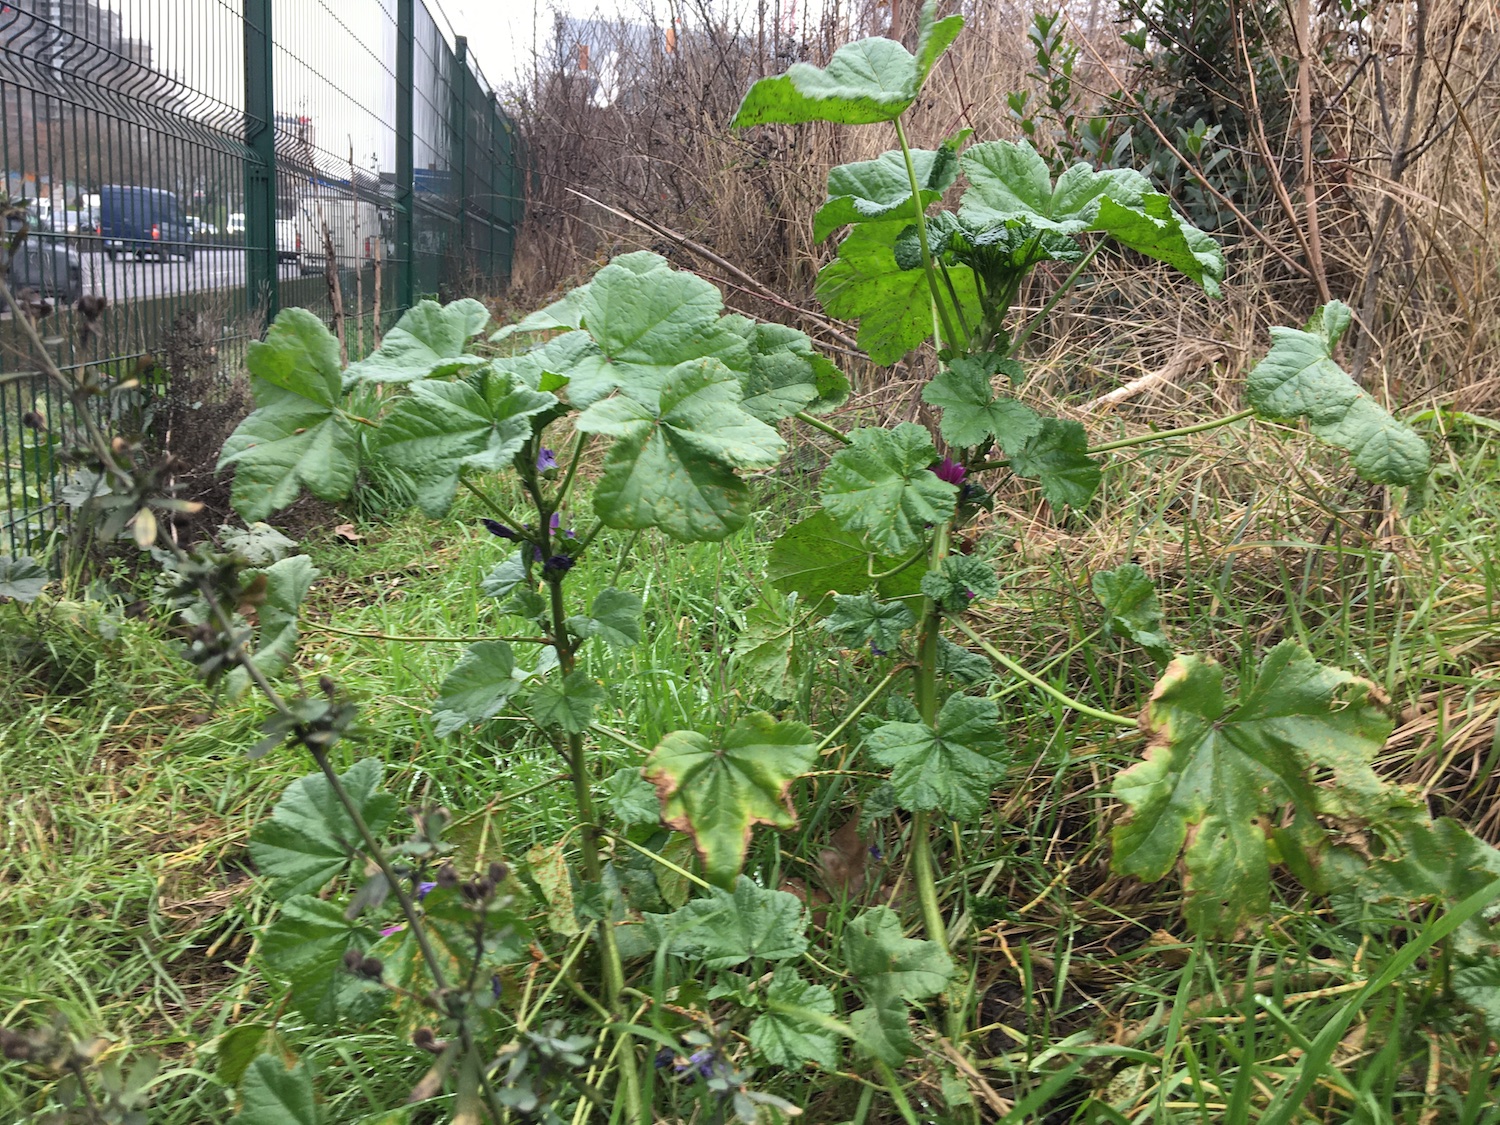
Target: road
211,268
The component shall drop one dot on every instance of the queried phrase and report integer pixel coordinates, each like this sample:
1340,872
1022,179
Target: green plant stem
1062,291
593,868
895,570
495,508
1140,439
1036,681
927,264
422,639
662,861
818,424
567,481
1167,435
863,706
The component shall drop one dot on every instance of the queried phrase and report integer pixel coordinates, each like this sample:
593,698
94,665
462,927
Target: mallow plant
699,979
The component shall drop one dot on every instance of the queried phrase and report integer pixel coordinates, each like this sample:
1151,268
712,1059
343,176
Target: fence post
458,90
260,169
405,266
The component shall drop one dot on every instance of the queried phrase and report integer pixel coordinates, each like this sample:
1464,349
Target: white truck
353,228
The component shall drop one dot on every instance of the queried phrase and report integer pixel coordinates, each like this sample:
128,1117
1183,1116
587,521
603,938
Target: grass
128,902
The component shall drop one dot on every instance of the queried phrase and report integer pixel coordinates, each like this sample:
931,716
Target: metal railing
199,164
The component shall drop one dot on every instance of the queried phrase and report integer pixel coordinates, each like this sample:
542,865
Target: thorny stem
593,869
1037,682
953,337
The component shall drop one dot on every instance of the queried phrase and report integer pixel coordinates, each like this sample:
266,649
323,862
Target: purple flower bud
876,649
536,554
664,1058
702,1060
496,987
876,853
557,564
495,527
555,523
545,460
396,929
423,888
949,470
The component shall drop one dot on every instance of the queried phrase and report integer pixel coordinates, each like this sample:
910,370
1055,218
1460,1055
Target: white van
353,228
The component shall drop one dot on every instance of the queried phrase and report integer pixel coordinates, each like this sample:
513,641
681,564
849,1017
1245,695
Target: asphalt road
211,268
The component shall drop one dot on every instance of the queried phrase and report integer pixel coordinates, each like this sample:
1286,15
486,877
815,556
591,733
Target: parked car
235,226
142,221
203,230
46,263
289,241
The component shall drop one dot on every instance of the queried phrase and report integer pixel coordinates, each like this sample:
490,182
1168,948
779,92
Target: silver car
44,262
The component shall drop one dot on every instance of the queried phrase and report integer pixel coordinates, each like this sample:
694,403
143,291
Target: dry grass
1406,119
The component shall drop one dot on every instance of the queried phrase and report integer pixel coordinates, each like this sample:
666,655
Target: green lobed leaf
273,1094
765,653
631,797
882,485
287,583
477,688
1299,379
1152,228
1426,861
973,413
1057,458
22,579
505,576
964,666
816,555
428,342
260,544
297,435
1009,182
866,81
893,305
442,430
615,618
305,946
959,581
1000,252
566,702
672,464
727,928
309,840
890,970
1131,610
718,795
876,949
783,374
880,190
1215,770
1477,985
549,868
858,620
783,1039
951,767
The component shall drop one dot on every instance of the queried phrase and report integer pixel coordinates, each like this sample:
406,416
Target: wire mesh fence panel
182,168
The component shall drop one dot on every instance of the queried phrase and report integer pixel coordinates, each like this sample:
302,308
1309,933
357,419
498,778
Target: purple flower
495,527
664,1058
949,470
546,461
876,649
555,523
422,889
496,987
558,564
876,853
702,1059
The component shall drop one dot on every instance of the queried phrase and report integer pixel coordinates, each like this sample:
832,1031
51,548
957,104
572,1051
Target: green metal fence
200,164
